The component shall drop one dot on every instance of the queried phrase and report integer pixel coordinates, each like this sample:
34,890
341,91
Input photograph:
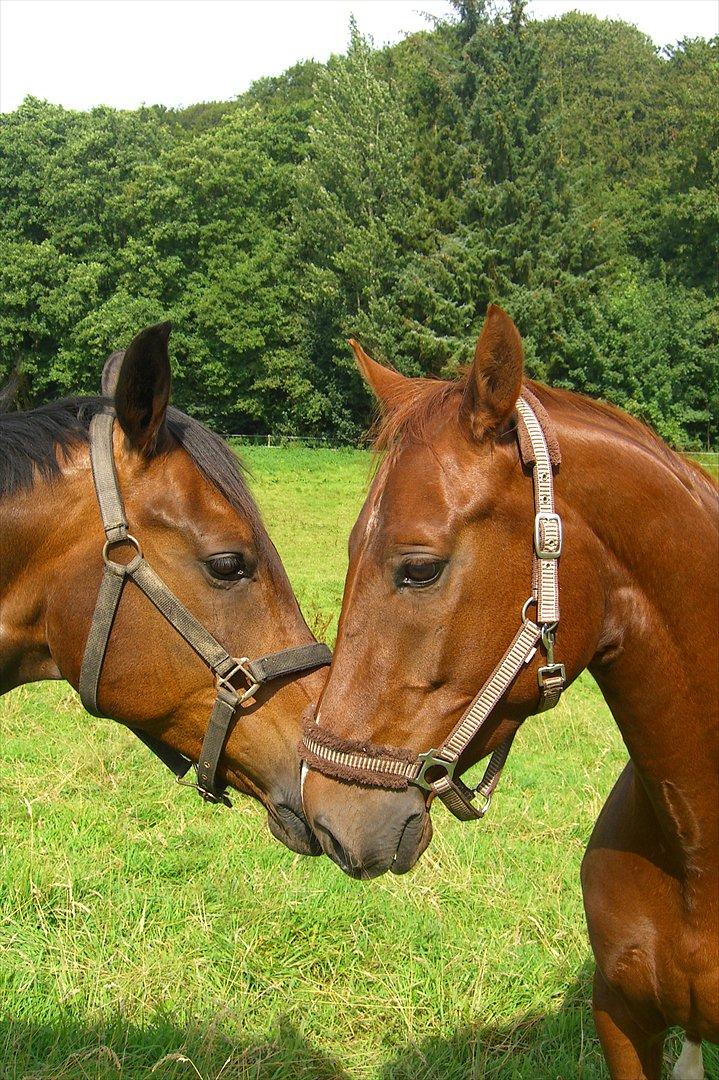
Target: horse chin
291,829
414,840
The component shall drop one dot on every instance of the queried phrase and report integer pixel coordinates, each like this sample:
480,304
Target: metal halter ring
526,605
208,796
126,568
429,760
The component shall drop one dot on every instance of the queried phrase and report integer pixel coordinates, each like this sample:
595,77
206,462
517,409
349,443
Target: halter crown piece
224,667
433,770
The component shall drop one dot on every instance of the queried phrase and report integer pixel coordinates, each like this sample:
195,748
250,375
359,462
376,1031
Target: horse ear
383,382
142,391
495,379
110,373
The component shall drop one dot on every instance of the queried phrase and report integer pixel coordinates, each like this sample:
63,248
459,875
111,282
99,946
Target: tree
359,219
566,169
521,236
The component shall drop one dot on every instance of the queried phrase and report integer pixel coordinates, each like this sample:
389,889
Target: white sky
81,53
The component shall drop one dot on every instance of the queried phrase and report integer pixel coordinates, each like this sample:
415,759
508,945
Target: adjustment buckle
431,759
551,677
240,667
551,671
482,810
547,535
552,680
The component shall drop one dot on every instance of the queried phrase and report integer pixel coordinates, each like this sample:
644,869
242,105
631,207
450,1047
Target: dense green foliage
147,936
565,169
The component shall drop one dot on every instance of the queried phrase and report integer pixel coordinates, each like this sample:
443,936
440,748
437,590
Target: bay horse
167,498
447,549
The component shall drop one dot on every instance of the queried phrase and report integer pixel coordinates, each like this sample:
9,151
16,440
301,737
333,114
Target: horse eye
227,567
419,573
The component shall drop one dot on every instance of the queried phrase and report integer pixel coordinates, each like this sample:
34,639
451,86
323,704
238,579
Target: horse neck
654,529
38,527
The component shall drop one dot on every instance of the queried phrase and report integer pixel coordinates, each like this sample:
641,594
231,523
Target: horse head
201,536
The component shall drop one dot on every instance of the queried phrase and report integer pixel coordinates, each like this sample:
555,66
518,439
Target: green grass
143,934
310,500
709,460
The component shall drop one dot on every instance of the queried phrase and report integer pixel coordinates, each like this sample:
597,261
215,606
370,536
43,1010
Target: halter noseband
224,667
433,771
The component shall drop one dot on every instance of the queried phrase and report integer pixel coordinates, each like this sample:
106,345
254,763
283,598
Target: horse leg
631,1052
620,879
690,1064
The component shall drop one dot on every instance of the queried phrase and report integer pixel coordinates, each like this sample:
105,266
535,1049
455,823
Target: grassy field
708,460
143,934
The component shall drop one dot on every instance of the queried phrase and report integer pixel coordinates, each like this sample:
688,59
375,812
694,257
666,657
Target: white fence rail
708,458
287,440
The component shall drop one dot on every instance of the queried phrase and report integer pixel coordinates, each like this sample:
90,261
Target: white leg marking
690,1064
304,769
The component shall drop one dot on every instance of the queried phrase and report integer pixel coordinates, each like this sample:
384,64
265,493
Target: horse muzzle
366,831
289,825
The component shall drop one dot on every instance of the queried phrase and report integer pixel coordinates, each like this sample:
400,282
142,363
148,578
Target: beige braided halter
433,771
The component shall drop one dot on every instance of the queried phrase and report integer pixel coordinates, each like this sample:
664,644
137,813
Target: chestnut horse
440,565
186,503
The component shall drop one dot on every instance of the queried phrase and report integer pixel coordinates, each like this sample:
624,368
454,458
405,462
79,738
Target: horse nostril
337,852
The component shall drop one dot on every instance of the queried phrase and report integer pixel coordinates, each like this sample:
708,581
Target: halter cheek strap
223,666
433,770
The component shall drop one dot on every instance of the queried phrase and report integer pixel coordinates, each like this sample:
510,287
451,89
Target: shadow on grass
534,1046
165,1050
558,1045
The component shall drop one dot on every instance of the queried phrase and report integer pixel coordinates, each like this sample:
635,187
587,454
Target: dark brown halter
433,771
224,667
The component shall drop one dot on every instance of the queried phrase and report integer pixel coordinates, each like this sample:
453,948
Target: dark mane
218,464
418,403
34,443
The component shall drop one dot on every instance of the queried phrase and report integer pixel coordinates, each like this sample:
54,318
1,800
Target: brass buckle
429,760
